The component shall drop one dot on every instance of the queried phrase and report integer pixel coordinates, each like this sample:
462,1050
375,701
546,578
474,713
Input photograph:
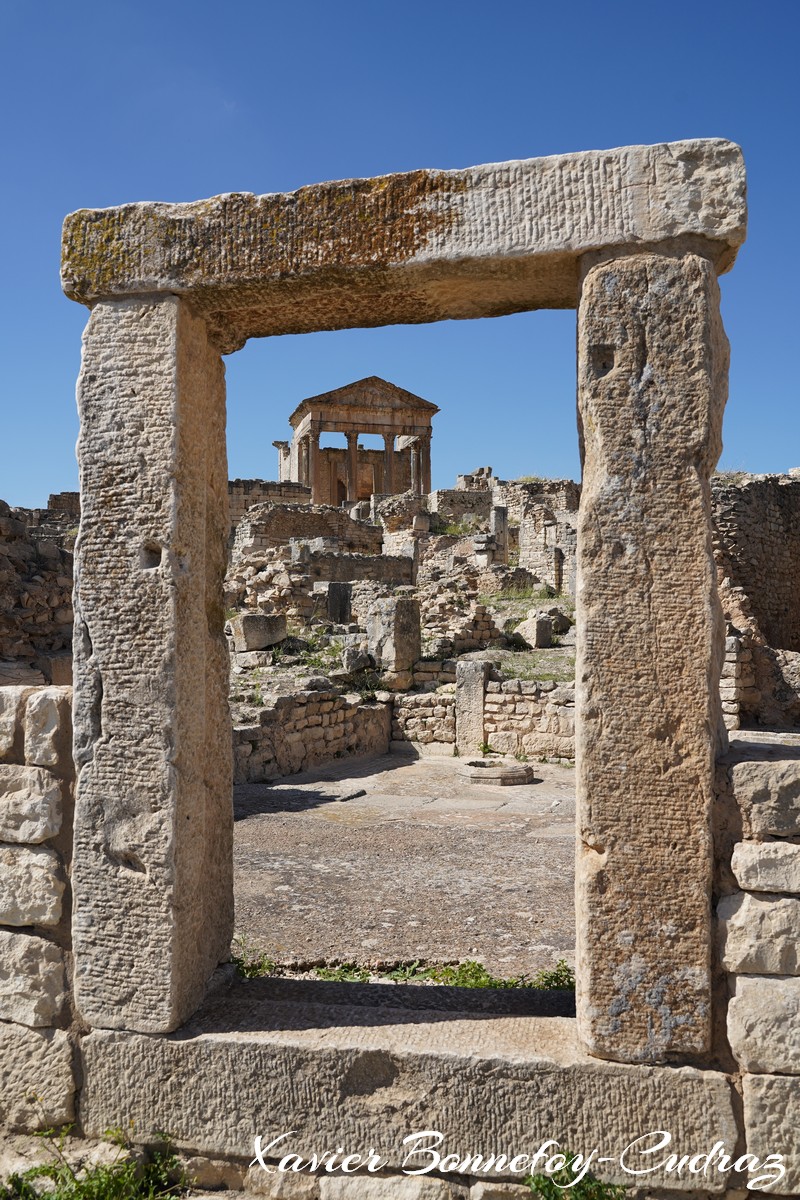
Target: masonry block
30,804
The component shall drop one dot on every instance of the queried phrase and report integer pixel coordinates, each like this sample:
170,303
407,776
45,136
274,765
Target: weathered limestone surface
397,1188
767,791
767,866
393,633
772,1124
652,381
152,866
30,804
758,934
764,1024
370,1075
423,246
12,700
31,979
37,1086
30,886
48,728
257,631
470,700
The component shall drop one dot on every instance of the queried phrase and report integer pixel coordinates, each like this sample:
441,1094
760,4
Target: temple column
352,468
416,479
652,383
425,463
388,470
313,470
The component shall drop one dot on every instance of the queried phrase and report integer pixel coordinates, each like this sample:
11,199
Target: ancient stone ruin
357,609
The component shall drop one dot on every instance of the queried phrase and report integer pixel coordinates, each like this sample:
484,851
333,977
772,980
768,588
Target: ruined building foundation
633,239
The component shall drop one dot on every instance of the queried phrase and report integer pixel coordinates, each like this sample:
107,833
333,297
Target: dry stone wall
531,717
427,719
304,730
35,593
757,529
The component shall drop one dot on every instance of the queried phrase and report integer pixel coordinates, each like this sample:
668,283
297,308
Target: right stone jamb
652,385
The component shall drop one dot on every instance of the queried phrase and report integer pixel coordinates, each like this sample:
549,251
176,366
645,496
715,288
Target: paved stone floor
392,859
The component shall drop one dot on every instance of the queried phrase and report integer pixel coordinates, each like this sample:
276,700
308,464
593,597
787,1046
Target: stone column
425,464
388,470
153,896
314,480
352,468
652,372
416,482
302,461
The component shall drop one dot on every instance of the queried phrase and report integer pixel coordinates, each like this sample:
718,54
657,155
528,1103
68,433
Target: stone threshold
271,1056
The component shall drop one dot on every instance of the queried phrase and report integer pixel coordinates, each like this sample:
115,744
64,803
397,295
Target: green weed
251,963
562,1182
156,1177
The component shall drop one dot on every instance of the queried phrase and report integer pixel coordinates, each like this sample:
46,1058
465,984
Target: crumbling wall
35,593
454,505
244,493
269,525
307,729
757,532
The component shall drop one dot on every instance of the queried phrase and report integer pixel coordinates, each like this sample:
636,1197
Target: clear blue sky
124,101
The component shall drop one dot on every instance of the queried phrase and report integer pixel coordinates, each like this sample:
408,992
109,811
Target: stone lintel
422,246
365,1076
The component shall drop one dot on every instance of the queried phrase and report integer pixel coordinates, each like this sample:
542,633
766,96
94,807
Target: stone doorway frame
634,239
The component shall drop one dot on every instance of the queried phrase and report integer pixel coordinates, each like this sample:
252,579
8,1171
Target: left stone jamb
152,867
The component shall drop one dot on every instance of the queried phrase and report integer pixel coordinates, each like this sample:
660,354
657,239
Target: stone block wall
758,915
757,542
269,525
426,718
453,505
244,493
523,716
308,729
560,495
343,568
37,1083
434,672
452,625
35,592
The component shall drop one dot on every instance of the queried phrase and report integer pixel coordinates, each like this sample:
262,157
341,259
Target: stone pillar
425,464
470,693
652,383
352,468
498,528
314,480
388,470
153,895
